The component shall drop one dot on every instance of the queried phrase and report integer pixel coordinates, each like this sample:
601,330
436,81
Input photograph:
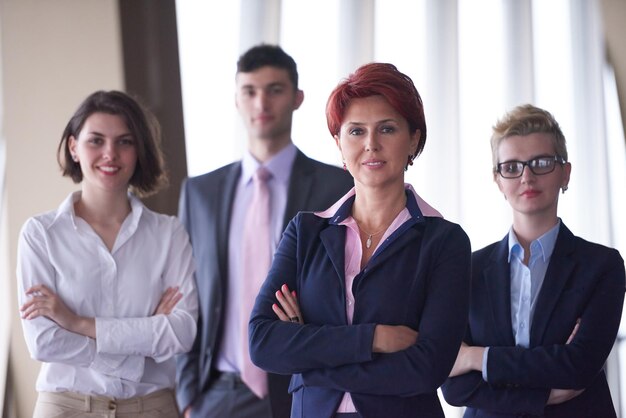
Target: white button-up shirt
133,353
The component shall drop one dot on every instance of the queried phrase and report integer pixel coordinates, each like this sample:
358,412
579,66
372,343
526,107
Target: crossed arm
470,358
387,338
43,302
528,379
55,333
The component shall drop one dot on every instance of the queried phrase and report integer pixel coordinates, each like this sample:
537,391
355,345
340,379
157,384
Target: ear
567,171
298,99
71,144
337,141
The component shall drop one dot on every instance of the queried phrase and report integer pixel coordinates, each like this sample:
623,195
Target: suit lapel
334,240
300,186
399,239
558,272
227,192
498,284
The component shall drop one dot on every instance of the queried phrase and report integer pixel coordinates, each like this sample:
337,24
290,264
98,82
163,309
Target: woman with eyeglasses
545,304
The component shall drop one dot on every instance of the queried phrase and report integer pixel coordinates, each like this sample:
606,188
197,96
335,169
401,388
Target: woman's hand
469,359
168,301
574,332
558,396
44,302
289,309
393,338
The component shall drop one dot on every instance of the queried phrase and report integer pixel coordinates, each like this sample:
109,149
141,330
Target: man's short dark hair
268,55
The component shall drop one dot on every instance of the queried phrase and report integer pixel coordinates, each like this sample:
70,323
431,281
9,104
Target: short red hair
378,79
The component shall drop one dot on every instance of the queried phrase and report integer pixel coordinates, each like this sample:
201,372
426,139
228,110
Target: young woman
106,288
546,305
380,280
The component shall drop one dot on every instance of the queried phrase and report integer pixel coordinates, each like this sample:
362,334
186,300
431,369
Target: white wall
54,53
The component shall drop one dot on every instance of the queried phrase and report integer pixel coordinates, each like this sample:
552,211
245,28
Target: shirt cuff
485,355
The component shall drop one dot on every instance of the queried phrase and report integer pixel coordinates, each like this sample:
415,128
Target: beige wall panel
54,53
614,16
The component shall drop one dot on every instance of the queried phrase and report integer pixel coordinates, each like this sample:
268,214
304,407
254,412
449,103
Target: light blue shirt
526,282
280,165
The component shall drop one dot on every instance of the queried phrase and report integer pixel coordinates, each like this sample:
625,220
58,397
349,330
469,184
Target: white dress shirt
133,353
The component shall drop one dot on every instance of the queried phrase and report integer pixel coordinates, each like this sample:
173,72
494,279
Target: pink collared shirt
354,254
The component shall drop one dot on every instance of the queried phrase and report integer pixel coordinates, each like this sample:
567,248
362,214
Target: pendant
368,243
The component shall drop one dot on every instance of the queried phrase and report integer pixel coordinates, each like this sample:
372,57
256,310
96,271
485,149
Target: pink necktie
256,264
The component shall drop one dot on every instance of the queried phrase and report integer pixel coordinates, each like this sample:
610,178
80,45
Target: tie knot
262,174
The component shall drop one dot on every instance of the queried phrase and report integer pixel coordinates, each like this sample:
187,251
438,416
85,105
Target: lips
531,193
264,118
108,169
373,163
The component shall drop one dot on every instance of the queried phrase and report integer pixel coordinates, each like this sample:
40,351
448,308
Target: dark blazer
583,280
205,210
419,277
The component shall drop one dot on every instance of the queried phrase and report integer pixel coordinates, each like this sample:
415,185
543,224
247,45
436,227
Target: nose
109,151
371,142
261,100
527,174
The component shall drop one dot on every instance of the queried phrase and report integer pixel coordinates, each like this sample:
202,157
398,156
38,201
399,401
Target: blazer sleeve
472,391
340,357
187,364
423,367
288,348
574,365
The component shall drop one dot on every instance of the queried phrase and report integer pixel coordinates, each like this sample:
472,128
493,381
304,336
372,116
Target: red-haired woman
366,302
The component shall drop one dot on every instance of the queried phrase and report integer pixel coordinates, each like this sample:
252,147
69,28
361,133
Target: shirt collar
279,165
418,208
66,208
545,243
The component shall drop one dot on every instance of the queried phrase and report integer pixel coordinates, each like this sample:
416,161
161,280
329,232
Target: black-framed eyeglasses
538,166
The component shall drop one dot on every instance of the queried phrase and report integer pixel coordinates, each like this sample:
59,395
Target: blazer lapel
558,272
300,185
398,240
334,240
227,192
498,284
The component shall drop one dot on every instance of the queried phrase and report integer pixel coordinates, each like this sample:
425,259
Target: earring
563,189
344,165
74,158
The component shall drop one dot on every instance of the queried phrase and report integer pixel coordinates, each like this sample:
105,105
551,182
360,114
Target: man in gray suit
213,209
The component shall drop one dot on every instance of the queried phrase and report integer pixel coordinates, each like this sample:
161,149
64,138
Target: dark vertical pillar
152,73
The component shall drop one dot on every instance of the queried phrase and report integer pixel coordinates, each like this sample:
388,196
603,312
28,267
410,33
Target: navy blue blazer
419,277
583,280
205,210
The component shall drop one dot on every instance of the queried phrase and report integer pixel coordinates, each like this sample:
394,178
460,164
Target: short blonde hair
525,120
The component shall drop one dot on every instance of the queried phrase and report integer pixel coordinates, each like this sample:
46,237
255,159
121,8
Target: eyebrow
378,122
96,133
270,85
531,158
